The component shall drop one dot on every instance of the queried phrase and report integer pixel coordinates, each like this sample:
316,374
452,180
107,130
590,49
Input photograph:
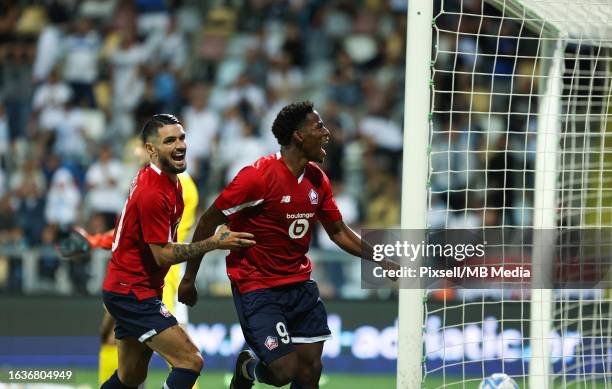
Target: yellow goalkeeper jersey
190,198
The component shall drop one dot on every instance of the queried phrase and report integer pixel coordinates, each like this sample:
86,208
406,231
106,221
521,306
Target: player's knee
312,370
284,375
200,362
315,367
195,362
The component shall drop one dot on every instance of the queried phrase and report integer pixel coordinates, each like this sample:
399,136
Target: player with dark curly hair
278,199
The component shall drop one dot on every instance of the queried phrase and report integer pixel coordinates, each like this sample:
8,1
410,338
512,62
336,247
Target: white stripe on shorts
313,339
147,335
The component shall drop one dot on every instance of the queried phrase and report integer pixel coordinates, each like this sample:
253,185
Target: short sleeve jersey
151,214
279,209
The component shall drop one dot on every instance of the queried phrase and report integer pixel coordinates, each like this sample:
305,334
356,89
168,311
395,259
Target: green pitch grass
220,380
88,379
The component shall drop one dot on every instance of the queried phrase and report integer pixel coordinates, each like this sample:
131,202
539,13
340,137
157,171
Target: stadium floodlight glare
516,134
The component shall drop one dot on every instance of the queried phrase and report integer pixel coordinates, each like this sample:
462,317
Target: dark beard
167,166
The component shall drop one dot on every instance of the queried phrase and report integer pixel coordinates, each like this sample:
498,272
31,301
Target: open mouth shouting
178,158
323,144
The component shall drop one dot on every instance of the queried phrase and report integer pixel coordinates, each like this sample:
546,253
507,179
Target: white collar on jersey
301,177
158,171
155,168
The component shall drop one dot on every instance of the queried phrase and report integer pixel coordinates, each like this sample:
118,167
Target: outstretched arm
212,218
171,253
206,227
350,241
344,237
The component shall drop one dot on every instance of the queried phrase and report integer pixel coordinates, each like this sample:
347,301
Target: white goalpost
416,140
507,125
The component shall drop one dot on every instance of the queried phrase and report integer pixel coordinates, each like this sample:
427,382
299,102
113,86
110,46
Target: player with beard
277,199
143,249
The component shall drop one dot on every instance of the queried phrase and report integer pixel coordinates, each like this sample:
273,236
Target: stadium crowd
77,79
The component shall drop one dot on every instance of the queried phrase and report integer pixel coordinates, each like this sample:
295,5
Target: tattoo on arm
224,235
192,250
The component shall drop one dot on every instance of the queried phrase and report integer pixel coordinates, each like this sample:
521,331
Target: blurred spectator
63,199
30,208
11,246
16,84
9,13
286,78
504,171
49,102
293,47
127,81
98,10
4,135
71,137
361,45
29,171
201,127
50,164
344,86
149,103
3,182
103,178
9,228
166,87
465,140
49,46
241,151
245,93
48,262
383,209
257,63
231,126
173,48
384,135
28,187
82,49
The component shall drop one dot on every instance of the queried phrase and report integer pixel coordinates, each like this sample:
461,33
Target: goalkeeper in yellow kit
108,359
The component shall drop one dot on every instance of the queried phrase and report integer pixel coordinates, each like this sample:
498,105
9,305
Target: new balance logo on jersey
313,196
286,199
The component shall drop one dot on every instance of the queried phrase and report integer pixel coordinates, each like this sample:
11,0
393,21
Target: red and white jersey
268,201
151,214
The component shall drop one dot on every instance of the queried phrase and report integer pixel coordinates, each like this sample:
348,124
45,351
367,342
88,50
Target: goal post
507,125
544,212
414,179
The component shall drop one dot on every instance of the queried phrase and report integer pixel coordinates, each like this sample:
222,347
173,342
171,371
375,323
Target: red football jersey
151,214
267,200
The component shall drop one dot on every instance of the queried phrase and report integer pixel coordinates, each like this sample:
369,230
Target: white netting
491,73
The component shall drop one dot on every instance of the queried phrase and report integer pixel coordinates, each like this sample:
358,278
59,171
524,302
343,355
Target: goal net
520,137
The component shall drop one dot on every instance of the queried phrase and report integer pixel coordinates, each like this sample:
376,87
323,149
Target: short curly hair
289,119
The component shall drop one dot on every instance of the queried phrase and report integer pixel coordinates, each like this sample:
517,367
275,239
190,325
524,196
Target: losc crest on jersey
313,196
164,311
271,343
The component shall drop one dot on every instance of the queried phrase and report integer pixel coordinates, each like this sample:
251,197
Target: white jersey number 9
298,228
